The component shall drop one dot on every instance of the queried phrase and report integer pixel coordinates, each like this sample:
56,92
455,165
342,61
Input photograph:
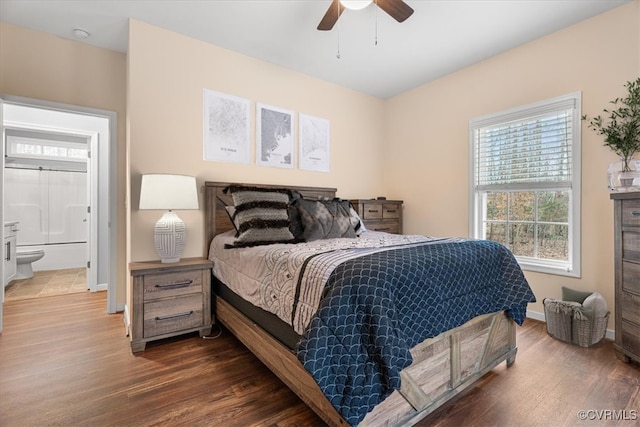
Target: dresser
169,299
380,215
627,274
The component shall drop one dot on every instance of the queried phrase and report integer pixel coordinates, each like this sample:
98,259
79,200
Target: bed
435,370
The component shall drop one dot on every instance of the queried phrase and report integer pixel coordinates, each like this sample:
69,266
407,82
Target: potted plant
621,131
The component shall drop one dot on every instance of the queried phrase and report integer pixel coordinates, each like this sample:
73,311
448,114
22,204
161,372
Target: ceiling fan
398,10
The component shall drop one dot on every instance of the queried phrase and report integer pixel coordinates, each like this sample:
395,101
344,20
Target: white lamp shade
168,192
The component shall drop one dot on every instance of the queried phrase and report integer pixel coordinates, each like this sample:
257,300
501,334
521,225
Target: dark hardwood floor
65,362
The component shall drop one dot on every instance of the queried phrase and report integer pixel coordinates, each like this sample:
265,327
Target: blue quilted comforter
376,307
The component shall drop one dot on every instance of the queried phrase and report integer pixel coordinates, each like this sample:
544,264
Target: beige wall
167,73
427,134
41,66
412,147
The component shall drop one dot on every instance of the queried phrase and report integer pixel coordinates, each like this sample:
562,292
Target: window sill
548,268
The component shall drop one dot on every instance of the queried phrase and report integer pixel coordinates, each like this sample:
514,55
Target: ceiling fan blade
331,17
398,9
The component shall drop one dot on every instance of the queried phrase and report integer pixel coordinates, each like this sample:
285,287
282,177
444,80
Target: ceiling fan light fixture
356,4
80,33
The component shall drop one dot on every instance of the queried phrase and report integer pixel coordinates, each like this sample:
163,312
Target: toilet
24,258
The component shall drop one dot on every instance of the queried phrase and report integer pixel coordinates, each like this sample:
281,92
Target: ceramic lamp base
170,237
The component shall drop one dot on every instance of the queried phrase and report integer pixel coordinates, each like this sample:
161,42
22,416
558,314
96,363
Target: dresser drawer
372,211
386,226
171,315
631,337
630,306
631,212
631,277
172,284
380,215
631,245
390,211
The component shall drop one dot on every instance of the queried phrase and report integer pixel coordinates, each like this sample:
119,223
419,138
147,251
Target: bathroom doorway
63,128
48,196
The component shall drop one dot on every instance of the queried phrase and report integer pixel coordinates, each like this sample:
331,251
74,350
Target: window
525,183
35,148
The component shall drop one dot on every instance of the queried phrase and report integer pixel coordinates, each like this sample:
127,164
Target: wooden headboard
217,220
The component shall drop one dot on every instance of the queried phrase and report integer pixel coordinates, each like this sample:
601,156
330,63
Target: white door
2,212
92,212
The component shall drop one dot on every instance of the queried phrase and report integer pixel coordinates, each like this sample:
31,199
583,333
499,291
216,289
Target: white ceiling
442,36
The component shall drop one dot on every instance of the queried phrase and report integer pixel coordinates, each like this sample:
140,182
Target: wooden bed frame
442,366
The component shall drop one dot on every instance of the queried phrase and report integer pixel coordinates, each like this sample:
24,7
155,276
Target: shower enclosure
49,200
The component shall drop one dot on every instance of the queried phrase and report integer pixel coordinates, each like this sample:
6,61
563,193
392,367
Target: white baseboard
536,316
127,322
610,334
102,287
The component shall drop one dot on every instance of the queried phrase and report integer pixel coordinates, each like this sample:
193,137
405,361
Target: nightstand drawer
631,212
171,315
164,285
372,211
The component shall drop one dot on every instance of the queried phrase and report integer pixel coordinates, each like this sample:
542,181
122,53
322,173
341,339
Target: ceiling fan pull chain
376,38
338,54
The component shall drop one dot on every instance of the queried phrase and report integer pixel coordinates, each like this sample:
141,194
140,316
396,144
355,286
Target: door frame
92,164
107,190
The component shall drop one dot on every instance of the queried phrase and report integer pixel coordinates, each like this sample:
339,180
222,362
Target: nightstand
169,299
380,215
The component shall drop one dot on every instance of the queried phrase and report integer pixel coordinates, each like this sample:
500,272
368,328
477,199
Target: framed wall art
226,123
274,136
314,151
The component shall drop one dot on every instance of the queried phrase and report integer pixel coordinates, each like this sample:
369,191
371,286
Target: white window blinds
530,148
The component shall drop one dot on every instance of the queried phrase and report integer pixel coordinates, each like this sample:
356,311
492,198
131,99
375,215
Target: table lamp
169,192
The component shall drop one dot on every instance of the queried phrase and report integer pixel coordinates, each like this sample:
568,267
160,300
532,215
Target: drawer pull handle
175,285
174,316
635,213
391,210
373,210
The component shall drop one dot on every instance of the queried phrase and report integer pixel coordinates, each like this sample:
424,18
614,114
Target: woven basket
566,322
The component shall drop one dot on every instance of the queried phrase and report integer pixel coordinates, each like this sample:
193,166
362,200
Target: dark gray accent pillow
262,215
295,226
325,219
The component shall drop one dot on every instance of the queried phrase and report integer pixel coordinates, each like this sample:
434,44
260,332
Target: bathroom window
35,148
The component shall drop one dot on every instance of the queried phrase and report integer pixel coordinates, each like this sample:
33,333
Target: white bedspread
268,276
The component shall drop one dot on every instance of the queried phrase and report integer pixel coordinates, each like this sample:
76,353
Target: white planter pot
620,180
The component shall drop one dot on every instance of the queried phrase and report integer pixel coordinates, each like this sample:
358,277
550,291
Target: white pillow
355,219
596,304
231,210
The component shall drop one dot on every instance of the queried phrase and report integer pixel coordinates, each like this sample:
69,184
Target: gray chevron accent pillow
262,215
